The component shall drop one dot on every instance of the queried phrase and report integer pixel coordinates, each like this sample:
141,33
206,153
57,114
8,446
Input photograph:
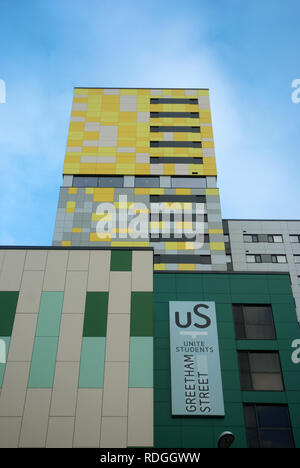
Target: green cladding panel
225,290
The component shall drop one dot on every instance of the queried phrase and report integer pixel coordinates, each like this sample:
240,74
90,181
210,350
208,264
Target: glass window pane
147,182
294,238
268,381
297,258
260,332
273,416
245,380
252,438
264,362
260,315
250,416
277,238
188,182
250,258
85,181
111,182
247,238
276,439
281,258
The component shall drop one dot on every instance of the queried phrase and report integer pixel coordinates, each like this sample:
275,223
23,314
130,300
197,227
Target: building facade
86,357
265,245
145,147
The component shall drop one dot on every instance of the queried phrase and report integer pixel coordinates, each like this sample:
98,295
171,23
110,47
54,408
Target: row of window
175,160
140,181
175,144
267,426
172,128
191,115
273,238
267,258
173,101
263,238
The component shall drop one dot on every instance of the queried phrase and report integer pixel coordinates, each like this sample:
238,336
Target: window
111,181
79,181
297,258
175,144
294,238
253,322
226,238
188,182
173,101
175,160
228,258
253,258
250,238
278,258
192,115
147,182
275,238
169,128
268,426
260,371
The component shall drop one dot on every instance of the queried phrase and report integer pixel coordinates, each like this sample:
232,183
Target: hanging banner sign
196,383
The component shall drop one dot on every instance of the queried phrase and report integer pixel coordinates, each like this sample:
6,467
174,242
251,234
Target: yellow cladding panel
212,191
66,243
95,238
186,266
160,266
127,116
207,144
203,92
70,207
72,190
76,230
215,231
183,191
217,246
206,132
103,194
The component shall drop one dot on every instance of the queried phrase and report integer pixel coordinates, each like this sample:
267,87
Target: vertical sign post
196,383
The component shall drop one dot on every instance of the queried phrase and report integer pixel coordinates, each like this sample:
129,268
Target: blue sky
246,52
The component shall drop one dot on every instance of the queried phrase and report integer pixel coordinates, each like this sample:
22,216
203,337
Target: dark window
250,238
152,182
253,258
173,101
159,238
195,259
88,181
192,115
111,181
165,128
278,258
177,198
294,238
253,322
260,370
268,426
175,144
175,160
172,217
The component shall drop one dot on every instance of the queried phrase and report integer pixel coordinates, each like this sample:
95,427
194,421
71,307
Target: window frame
239,324
250,372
